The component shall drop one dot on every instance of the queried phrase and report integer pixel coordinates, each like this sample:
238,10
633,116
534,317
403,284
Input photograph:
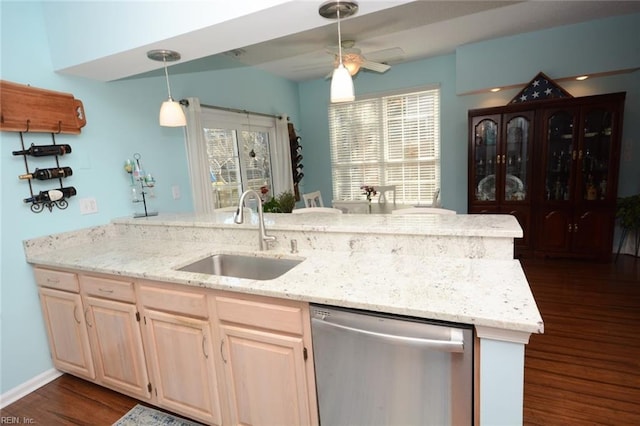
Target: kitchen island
457,268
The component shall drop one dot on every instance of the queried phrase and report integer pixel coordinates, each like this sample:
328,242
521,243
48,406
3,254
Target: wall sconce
171,113
341,82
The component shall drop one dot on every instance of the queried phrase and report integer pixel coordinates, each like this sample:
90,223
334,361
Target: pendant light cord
166,74
339,34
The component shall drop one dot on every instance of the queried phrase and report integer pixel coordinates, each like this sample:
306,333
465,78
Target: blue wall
122,119
492,63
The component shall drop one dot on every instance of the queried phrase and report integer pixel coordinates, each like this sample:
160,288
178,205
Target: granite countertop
484,292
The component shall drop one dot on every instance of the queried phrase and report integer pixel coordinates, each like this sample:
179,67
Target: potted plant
283,203
628,215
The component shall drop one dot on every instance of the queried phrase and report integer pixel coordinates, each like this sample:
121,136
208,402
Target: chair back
384,193
423,210
352,206
436,198
313,199
320,210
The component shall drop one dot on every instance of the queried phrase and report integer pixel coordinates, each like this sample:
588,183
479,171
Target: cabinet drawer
108,288
286,318
56,279
178,301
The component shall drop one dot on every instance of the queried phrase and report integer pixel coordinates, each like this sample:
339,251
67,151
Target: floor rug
146,416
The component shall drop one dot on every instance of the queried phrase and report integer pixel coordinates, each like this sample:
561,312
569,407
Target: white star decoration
548,91
523,98
536,83
536,94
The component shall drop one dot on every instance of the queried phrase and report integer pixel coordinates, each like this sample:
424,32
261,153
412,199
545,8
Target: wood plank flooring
585,369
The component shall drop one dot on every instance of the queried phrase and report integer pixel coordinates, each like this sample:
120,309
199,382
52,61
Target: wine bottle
43,150
44,174
52,195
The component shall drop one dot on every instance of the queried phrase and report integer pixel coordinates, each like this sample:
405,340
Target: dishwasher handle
456,344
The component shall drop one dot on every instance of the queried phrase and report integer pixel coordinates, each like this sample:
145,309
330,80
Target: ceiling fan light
342,85
171,114
352,67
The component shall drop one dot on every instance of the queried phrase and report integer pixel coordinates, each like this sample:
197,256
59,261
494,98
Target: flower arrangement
369,191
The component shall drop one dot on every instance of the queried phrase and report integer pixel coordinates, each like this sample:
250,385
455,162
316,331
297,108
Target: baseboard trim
29,386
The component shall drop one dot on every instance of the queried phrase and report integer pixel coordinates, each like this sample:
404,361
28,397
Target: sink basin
242,266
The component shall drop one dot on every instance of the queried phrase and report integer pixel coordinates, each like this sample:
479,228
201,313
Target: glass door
595,154
485,154
516,157
559,151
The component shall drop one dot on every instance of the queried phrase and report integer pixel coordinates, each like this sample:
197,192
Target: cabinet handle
580,155
570,227
105,290
222,352
575,227
75,314
53,281
86,318
574,155
503,159
204,350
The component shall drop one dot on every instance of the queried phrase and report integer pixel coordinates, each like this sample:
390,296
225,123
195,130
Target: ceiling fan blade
375,66
387,55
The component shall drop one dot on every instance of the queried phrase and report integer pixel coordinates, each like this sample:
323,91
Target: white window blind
390,140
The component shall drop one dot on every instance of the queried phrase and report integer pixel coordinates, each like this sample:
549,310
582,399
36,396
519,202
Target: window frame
362,169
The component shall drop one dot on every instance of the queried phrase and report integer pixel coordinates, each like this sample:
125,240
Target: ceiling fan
354,60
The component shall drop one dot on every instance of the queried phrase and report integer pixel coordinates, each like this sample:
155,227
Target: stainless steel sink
242,266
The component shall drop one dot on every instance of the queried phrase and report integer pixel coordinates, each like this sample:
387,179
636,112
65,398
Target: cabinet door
559,154
68,337
598,154
555,227
265,375
182,363
483,152
592,234
117,346
515,158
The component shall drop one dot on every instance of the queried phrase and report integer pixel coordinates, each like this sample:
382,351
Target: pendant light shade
342,85
342,89
171,113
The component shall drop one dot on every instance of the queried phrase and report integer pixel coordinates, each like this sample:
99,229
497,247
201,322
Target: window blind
390,140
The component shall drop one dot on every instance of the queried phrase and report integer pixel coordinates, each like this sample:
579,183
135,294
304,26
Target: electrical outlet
88,206
175,191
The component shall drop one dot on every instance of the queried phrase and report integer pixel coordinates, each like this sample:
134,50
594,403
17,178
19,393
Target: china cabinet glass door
595,154
515,158
485,157
560,151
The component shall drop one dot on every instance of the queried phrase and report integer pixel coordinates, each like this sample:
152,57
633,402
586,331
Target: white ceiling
404,33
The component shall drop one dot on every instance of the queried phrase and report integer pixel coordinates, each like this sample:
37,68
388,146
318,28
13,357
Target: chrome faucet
263,238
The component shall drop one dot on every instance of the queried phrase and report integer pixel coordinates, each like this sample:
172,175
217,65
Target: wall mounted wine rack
27,109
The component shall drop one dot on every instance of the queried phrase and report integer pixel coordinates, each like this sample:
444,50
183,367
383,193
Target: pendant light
341,82
171,113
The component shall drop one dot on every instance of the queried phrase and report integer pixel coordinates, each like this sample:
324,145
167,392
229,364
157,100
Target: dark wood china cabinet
553,164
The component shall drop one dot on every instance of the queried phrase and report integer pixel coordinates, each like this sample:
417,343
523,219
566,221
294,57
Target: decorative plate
487,188
512,186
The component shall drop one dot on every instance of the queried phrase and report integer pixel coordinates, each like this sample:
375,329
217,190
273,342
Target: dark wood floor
585,369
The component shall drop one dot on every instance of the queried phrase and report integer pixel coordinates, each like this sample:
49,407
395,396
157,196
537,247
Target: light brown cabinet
268,372
116,341
216,357
65,322
561,186
178,338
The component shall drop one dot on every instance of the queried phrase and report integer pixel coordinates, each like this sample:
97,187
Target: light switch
88,206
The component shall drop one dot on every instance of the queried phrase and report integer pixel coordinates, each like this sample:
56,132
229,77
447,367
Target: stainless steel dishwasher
377,369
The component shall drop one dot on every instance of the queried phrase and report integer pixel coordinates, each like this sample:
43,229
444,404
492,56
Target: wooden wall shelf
28,109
